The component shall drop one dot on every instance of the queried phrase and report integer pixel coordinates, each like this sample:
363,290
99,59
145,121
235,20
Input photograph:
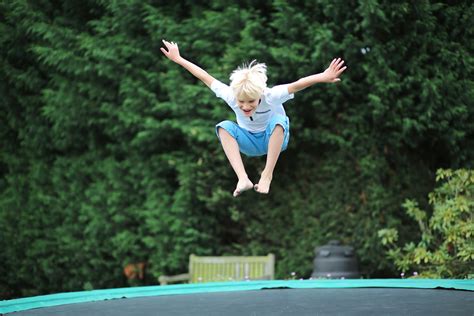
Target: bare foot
243,185
263,185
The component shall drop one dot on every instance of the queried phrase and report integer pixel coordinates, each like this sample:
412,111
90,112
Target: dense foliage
446,245
108,154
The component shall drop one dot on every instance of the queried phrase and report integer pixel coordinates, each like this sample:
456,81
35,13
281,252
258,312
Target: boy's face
248,106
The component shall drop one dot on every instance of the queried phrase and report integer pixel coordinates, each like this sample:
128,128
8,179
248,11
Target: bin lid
334,248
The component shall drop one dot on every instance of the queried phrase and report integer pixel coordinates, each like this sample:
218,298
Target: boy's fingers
340,71
339,65
167,44
164,51
336,63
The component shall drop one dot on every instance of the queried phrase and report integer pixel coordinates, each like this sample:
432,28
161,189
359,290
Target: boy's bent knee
222,131
279,128
278,122
226,128
280,125
227,125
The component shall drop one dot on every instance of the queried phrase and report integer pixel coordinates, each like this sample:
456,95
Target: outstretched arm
330,75
173,54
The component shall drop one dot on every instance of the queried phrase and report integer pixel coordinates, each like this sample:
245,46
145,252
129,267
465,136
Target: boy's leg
231,149
274,149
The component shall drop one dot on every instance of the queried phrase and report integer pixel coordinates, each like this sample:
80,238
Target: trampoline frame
41,301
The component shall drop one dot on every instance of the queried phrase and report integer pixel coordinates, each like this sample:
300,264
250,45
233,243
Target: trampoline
294,297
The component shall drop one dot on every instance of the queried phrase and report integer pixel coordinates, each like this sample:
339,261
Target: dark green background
108,154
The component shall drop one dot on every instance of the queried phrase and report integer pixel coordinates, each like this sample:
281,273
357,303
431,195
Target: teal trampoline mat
42,301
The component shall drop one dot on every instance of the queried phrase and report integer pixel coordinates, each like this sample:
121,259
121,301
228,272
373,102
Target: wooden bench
224,269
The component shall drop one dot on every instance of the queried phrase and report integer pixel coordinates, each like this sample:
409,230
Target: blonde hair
249,81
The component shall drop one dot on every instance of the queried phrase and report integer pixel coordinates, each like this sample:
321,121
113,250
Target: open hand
173,51
334,70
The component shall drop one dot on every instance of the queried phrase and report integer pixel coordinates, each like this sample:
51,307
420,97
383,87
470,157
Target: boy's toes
242,186
263,187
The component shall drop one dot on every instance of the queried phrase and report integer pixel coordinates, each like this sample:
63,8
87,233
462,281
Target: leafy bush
446,247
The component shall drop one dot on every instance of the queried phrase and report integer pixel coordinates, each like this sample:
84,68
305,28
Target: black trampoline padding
358,301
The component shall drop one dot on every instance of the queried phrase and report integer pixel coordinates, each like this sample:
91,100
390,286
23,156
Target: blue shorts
254,144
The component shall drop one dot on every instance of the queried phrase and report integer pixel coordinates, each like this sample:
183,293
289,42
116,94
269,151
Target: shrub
446,247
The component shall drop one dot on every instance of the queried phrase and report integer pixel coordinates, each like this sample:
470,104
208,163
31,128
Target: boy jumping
262,126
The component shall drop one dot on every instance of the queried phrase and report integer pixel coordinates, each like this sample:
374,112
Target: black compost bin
334,261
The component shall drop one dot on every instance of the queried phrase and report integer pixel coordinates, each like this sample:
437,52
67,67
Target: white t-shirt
271,104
